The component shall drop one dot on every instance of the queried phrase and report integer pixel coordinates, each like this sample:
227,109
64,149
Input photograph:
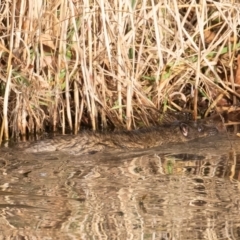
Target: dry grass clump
114,63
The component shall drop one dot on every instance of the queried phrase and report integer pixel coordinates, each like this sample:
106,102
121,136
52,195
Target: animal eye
200,128
184,129
195,124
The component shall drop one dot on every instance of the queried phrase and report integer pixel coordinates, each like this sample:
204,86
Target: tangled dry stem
119,63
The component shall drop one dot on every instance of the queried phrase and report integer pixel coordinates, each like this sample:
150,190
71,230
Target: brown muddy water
173,192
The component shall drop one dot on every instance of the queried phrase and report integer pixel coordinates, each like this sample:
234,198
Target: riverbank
67,65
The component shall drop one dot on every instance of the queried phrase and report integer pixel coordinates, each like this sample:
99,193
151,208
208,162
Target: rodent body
87,142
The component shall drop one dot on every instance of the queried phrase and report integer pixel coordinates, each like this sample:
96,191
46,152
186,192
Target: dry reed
68,64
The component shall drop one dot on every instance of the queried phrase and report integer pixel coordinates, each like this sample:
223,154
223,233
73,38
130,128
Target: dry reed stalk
116,63
5,105
5,125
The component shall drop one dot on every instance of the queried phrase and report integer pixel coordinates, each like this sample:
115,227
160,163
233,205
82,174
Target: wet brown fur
138,139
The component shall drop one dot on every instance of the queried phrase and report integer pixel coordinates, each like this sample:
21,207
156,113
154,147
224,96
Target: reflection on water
185,191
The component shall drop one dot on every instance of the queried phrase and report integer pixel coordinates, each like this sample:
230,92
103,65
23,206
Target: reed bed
67,64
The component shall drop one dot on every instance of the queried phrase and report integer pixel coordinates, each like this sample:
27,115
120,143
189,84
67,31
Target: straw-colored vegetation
67,63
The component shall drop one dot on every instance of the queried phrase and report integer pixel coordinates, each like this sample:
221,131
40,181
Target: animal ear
184,128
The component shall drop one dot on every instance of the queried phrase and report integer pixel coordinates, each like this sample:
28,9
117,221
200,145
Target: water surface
181,191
